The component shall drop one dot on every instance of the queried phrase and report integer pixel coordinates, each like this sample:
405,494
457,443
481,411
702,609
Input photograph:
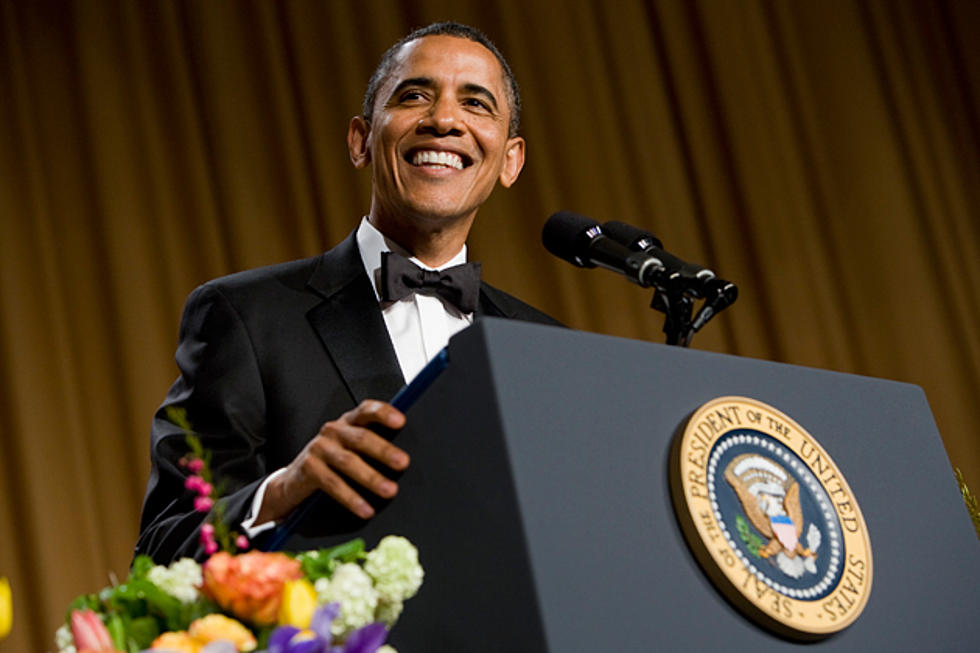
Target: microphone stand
677,308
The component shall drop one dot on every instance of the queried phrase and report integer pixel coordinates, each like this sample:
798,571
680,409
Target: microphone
719,295
690,276
581,241
699,281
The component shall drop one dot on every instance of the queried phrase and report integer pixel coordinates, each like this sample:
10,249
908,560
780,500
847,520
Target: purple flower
365,640
289,639
322,619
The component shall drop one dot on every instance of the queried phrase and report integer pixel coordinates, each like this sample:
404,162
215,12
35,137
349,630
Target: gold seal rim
806,620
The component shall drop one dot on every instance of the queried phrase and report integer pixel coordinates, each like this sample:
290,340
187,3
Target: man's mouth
437,158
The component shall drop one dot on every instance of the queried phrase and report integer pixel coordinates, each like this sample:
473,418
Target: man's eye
477,103
410,96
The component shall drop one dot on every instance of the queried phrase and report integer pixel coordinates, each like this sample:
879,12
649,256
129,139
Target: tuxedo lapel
491,304
351,327
496,303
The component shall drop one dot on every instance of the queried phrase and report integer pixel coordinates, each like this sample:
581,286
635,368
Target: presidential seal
770,518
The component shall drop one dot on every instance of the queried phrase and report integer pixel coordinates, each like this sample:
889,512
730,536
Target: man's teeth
431,157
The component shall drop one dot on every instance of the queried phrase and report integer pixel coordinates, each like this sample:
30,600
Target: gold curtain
823,155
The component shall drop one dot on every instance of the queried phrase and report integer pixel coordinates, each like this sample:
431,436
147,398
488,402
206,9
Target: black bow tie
458,285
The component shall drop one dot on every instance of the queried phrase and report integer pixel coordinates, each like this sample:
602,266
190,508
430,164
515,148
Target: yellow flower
6,608
298,604
217,626
176,641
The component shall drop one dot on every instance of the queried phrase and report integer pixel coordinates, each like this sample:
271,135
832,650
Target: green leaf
83,602
178,415
321,564
117,631
141,567
752,541
199,608
140,597
262,634
142,631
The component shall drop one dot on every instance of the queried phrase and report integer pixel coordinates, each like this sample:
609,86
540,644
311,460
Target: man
282,368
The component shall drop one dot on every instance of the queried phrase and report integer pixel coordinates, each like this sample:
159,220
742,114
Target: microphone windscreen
627,234
567,236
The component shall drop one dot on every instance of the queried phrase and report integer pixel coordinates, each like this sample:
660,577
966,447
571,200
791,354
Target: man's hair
458,30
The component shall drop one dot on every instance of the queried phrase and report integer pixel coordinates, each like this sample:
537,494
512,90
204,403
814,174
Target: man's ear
357,142
513,161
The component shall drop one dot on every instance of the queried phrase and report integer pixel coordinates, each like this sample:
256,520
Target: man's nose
441,118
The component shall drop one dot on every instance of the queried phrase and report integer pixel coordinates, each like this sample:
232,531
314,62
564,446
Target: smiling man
438,140
283,370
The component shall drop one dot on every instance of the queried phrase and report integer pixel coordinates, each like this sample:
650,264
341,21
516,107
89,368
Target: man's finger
367,442
335,486
348,462
372,411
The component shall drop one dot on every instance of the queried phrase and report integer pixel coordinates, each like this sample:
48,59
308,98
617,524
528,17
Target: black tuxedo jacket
266,357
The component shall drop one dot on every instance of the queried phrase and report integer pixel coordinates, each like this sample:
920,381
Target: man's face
438,142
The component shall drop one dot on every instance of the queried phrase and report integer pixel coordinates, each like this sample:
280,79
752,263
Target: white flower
64,640
385,648
352,588
388,612
181,580
394,566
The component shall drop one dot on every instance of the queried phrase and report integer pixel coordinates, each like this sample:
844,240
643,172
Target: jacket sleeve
221,391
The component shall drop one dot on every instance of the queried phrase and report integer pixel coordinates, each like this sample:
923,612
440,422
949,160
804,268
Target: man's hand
335,453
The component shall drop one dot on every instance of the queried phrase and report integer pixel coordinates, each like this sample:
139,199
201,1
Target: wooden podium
539,498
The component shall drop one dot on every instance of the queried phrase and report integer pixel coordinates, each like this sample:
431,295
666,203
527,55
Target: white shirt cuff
248,524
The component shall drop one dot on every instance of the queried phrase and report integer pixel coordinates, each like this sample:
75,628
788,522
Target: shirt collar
372,243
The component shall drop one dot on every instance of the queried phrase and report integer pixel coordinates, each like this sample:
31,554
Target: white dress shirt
419,327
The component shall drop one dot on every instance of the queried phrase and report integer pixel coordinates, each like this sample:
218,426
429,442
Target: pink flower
193,483
203,504
207,539
195,466
204,489
89,632
242,542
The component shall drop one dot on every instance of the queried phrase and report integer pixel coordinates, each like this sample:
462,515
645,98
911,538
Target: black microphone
691,277
581,241
719,295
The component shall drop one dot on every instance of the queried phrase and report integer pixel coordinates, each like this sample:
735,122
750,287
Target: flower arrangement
337,600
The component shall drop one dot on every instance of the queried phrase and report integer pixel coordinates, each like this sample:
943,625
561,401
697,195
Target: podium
539,499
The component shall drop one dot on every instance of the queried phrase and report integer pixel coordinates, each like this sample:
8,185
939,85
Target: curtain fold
824,156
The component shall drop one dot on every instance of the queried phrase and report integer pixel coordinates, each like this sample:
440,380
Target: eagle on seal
771,500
